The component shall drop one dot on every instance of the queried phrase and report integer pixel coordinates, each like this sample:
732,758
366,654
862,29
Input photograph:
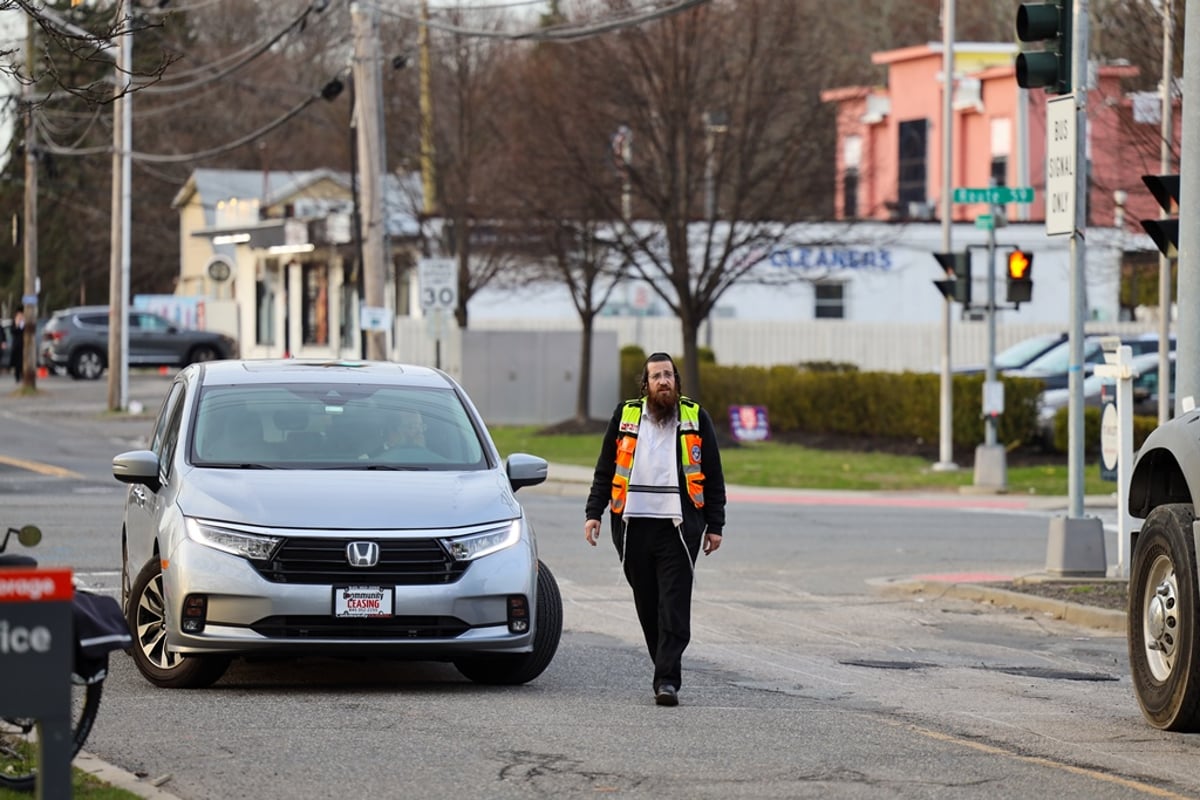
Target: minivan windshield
334,426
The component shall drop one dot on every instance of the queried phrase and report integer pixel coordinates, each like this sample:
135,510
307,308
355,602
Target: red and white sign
362,601
35,585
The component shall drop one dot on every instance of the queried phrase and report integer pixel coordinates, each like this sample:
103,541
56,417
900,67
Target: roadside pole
991,468
945,462
1076,543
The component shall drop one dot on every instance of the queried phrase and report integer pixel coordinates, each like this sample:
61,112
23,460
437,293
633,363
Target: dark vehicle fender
1167,468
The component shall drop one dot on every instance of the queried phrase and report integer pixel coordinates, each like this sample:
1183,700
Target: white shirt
654,480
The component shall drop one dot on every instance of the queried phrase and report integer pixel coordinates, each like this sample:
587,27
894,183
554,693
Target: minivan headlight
253,546
478,545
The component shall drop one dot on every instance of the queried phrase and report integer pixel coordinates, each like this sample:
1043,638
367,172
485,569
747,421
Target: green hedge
1142,426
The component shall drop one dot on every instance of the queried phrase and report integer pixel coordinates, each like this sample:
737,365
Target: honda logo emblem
362,554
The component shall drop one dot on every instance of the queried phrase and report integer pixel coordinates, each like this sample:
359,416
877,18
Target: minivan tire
145,613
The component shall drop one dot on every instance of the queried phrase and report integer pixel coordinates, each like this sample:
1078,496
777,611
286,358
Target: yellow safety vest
689,451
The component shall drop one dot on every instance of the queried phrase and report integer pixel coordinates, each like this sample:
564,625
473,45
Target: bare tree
730,143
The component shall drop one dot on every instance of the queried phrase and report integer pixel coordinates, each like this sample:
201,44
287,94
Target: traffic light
1049,67
1020,276
1164,232
957,267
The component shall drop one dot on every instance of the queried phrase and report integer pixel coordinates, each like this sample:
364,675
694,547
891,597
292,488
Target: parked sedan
335,508
1018,355
76,339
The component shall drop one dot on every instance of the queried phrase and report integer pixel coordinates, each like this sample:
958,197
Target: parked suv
77,339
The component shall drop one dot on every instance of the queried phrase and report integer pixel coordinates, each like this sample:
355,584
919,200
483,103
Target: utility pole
118,279
29,366
371,162
945,461
428,175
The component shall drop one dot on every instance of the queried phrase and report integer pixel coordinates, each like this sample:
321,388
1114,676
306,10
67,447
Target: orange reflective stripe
631,416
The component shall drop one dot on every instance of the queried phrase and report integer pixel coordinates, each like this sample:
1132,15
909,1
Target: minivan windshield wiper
231,465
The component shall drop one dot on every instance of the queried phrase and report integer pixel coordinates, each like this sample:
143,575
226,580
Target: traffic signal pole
945,462
1165,168
1060,27
1187,377
1075,376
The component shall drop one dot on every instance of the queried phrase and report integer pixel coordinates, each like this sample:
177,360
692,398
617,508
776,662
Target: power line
160,86
564,32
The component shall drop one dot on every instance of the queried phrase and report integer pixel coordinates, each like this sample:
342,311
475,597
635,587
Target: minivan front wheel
146,615
503,669
86,363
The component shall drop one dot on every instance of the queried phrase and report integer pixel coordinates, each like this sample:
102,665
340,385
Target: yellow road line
1137,786
39,467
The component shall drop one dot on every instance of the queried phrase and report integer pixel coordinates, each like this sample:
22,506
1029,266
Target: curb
115,776
1076,613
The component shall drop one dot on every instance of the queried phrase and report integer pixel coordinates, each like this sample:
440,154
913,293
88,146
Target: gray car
290,507
76,339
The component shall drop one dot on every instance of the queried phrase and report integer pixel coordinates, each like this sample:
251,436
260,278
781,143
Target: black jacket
710,519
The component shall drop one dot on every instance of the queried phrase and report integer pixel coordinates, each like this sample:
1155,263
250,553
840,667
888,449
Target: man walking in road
659,471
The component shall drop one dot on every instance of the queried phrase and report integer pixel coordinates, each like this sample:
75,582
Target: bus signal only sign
1060,165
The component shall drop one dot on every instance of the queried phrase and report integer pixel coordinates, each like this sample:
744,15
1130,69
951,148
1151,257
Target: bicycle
96,633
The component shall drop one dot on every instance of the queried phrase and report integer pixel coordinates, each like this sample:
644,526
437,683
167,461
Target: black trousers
659,570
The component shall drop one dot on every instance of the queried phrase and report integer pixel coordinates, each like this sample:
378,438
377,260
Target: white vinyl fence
871,346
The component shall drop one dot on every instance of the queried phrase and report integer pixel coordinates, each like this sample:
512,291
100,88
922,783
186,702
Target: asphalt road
803,679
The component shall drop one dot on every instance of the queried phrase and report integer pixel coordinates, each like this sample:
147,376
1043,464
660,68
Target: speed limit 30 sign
439,283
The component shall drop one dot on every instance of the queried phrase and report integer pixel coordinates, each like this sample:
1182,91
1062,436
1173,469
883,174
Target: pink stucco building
889,151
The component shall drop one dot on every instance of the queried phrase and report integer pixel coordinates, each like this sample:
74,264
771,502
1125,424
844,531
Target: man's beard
661,404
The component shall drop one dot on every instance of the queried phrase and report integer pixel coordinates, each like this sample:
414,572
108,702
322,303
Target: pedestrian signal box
957,267
1020,276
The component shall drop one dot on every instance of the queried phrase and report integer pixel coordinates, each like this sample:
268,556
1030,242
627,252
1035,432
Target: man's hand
712,542
591,531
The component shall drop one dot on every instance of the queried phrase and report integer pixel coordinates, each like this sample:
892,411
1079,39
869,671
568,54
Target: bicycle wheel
19,737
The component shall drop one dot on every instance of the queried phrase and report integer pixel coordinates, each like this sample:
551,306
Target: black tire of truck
1164,649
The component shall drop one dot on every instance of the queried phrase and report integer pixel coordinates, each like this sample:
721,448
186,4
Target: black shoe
667,695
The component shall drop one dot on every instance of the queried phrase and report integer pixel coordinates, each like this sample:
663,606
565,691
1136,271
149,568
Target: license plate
362,601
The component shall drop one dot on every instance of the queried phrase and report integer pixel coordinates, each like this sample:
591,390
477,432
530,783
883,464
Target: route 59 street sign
439,283
994,195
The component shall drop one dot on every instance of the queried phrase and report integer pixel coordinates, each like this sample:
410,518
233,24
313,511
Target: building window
265,299
852,157
315,315
850,194
914,158
830,300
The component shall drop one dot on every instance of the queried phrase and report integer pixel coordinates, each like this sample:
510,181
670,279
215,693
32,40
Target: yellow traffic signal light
1020,276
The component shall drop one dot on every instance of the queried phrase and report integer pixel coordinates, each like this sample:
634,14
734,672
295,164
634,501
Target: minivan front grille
402,562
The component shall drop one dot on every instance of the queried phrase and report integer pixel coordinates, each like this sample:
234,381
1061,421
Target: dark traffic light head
1047,24
1164,231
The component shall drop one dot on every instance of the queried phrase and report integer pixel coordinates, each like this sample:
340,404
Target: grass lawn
793,466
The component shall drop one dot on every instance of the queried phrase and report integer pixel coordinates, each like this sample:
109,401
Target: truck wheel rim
1161,623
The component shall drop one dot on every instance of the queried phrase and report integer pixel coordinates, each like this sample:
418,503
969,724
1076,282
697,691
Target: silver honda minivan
292,507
